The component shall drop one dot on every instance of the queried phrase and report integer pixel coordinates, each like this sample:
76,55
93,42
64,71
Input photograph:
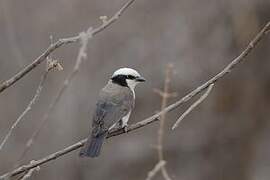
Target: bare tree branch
156,116
195,104
6,84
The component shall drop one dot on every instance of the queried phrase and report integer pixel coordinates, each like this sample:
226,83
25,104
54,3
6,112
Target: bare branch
153,118
155,170
195,104
6,84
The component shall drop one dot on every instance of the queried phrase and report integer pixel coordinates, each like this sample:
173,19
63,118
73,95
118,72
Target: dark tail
92,146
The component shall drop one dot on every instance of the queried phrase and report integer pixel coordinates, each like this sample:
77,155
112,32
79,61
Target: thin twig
6,84
26,110
195,104
80,58
153,118
155,170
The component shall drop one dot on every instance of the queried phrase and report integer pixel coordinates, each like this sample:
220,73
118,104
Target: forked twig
195,104
30,172
155,170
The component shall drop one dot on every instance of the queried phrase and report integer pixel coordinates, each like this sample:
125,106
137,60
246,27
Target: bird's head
127,77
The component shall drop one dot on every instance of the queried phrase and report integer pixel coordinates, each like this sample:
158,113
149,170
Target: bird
113,108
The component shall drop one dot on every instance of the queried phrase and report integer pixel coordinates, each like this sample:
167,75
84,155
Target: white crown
126,71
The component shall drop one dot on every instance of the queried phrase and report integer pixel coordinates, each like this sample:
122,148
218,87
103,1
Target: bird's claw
125,127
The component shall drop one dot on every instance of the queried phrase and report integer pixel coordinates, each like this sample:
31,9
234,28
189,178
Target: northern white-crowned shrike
114,106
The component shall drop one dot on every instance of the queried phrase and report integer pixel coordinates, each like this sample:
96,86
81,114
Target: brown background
227,137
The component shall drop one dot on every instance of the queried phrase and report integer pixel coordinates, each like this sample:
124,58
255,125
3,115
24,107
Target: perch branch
6,84
153,118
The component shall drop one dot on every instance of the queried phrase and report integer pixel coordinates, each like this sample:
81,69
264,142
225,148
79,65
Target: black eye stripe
120,79
130,77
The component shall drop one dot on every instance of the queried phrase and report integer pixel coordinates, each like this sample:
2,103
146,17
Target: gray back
114,103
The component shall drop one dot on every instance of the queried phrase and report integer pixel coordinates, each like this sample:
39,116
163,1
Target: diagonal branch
156,116
6,84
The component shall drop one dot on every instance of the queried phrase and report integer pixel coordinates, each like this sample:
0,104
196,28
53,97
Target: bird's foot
125,127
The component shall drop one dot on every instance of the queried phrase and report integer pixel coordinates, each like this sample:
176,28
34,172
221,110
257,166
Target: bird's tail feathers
93,145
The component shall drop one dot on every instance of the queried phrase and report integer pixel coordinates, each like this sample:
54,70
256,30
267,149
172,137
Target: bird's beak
140,79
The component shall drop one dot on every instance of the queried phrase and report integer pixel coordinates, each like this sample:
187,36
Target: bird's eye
130,77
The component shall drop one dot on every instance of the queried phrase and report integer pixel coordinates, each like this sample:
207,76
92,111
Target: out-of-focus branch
165,95
84,36
153,118
6,84
195,104
155,170
32,102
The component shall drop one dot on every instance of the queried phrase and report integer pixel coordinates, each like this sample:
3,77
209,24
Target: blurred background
226,137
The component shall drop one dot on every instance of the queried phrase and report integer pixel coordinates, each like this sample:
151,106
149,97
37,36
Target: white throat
132,84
